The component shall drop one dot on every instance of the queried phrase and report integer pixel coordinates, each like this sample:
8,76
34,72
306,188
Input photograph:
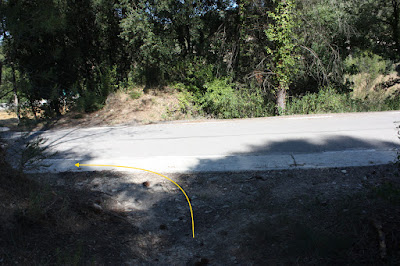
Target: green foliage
61,49
329,100
283,39
193,73
188,103
135,95
367,62
94,92
90,102
222,100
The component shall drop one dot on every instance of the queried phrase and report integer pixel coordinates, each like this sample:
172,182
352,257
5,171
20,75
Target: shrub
220,99
189,104
327,100
94,91
367,62
223,100
364,68
193,73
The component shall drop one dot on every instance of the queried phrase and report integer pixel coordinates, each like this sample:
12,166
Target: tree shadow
245,217
281,154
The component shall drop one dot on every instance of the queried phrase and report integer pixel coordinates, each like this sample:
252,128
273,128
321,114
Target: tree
282,49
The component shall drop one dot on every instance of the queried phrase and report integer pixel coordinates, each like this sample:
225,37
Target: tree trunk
239,20
15,88
281,99
33,109
395,24
1,70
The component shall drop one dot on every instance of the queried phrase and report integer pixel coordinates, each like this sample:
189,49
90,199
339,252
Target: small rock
344,171
365,178
225,206
97,207
333,183
208,211
146,184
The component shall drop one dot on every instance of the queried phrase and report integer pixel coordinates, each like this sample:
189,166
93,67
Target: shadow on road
320,216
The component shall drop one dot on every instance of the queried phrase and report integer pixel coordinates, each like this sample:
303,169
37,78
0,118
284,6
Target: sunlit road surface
329,140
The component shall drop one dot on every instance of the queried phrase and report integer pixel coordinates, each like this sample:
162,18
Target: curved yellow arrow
129,167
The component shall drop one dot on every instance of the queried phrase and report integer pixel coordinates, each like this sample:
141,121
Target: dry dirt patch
8,119
320,216
151,107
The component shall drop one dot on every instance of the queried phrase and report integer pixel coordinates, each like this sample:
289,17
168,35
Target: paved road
248,144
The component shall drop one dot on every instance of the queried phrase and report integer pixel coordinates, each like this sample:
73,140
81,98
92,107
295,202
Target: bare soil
317,216
154,106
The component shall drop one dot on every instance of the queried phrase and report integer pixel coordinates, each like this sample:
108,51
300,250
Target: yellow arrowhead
77,164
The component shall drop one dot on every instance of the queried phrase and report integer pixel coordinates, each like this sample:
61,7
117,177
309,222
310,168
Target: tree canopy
70,51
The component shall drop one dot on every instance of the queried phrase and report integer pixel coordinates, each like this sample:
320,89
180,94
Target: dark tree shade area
77,52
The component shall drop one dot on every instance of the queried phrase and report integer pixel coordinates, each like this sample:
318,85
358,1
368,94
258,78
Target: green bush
220,99
94,92
90,101
223,100
188,102
193,73
367,62
364,68
327,100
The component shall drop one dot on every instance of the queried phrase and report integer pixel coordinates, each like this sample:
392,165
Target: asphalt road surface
330,140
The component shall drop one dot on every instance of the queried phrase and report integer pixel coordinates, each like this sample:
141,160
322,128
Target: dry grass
8,119
151,107
381,88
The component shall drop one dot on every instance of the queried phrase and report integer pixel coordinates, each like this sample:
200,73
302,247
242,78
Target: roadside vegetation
220,59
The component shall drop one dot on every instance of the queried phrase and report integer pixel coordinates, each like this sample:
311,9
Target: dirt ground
320,216
154,106
8,119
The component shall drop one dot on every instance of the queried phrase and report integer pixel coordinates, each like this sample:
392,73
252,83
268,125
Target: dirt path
323,216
